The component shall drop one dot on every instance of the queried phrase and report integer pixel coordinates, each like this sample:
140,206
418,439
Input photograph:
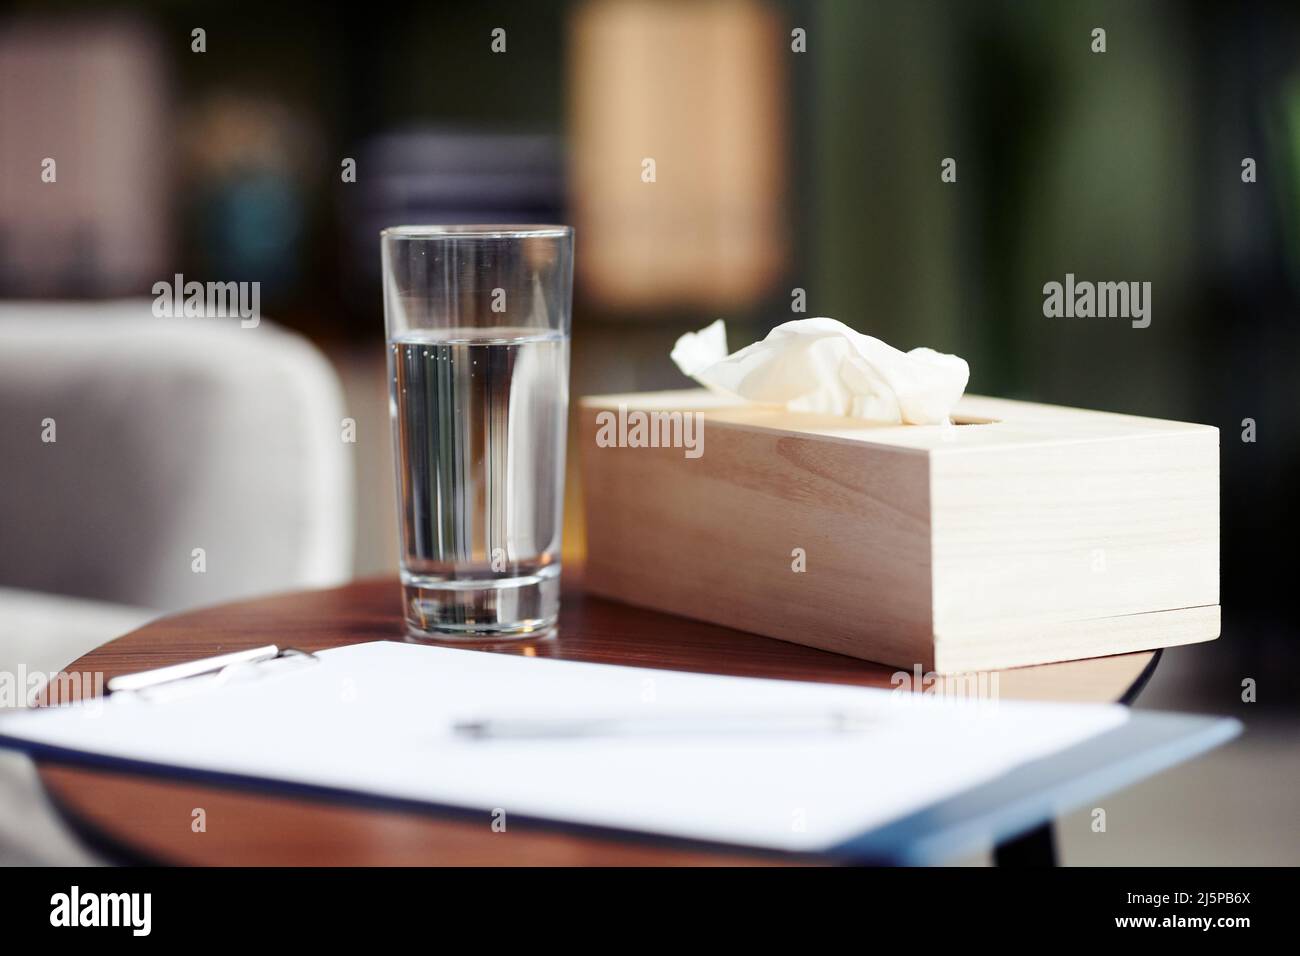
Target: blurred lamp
677,168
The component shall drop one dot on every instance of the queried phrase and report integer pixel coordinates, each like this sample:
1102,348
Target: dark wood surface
145,819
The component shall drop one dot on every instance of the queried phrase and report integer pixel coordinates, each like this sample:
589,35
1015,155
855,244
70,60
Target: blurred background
797,148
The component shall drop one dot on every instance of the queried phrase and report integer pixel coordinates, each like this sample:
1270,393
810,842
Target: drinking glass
477,321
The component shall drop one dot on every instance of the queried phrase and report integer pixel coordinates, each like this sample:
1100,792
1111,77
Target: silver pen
699,725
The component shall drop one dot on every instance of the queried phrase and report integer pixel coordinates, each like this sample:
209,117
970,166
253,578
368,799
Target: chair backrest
192,460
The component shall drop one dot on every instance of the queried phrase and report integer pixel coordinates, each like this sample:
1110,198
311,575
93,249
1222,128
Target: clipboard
319,729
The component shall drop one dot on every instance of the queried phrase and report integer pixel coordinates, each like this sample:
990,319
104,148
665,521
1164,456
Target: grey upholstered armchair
164,463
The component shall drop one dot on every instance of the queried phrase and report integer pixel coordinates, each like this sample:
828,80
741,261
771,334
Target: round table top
148,819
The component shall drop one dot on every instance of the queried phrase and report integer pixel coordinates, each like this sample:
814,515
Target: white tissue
824,367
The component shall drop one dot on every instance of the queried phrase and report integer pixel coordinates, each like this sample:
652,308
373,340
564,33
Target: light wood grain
1039,534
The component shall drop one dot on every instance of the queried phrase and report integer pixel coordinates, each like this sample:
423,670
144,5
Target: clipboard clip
219,667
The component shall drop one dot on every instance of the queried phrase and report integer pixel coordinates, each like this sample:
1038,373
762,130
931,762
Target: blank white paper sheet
375,718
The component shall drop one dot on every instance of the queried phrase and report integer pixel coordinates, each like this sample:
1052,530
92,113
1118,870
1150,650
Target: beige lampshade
678,166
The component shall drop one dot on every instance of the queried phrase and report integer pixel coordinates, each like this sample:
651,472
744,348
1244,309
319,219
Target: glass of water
477,321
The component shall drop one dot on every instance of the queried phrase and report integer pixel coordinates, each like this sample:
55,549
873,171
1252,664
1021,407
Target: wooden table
141,819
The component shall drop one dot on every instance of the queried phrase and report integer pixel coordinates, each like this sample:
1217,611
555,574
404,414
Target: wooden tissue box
1023,534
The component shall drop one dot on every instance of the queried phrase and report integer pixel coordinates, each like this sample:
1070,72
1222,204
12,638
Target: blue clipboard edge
65,756
1039,791
1007,806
